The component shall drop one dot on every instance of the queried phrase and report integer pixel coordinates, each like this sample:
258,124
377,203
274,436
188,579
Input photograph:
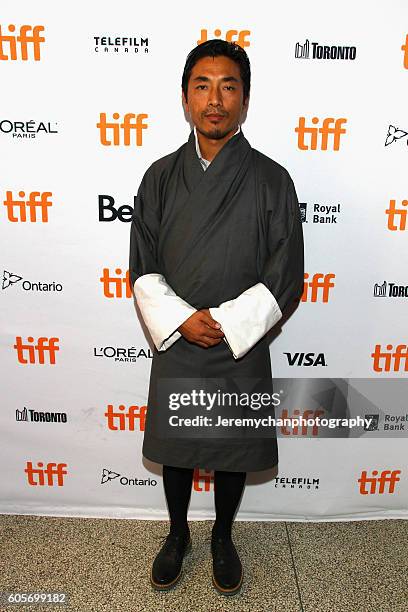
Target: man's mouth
215,117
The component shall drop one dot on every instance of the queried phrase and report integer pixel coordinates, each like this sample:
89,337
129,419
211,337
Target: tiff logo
327,128
113,287
201,477
36,206
404,48
235,36
385,361
319,286
41,476
125,127
123,419
19,43
43,346
307,414
393,213
376,484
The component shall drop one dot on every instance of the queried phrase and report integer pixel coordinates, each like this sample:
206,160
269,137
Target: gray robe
213,234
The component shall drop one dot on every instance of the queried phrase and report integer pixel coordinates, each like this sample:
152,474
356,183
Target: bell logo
50,476
376,484
234,36
326,129
43,346
202,476
311,288
36,206
404,48
383,360
16,44
393,213
117,283
126,126
123,419
307,414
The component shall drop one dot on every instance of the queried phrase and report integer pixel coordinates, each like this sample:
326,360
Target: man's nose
214,97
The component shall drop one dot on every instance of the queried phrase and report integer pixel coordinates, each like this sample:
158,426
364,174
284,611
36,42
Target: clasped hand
201,329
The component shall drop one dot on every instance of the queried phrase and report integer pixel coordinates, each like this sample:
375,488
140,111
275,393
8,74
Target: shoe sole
170,585
224,591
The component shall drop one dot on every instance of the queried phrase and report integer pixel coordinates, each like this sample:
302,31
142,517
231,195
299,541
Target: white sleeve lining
246,319
163,311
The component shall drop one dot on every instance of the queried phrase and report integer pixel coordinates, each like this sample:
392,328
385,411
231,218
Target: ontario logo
109,476
10,279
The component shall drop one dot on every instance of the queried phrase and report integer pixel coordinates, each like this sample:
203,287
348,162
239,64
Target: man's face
215,96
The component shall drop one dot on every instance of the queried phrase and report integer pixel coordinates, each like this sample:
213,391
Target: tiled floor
103,564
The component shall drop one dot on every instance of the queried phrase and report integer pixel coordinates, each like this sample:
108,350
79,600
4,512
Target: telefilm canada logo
120,45
109,476
315,50
122,354
10,279
27,129
297,482
326,214
36,416
392,290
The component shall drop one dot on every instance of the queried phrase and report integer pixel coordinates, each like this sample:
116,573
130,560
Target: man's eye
230,87
198,86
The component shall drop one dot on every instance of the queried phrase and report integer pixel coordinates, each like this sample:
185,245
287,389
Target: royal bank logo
314,50
240,37
395,134
371,422
35,416
10,279
388,422
297,482
23,43
122,354
109,476
390,290
322,213
121,45
27,129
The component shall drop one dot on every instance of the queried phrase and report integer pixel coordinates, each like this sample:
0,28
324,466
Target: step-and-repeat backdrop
91,96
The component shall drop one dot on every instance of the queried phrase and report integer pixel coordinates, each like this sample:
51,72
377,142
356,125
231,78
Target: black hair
213,48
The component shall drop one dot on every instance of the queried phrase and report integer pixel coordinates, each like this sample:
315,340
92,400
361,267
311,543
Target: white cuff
163,311
247,318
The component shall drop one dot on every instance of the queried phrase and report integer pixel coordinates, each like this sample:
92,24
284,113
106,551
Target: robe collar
223,167
204,162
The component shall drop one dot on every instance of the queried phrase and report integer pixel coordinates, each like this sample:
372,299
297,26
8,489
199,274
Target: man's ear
246,102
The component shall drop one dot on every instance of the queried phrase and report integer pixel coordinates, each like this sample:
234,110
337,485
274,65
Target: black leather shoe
166,568
227,569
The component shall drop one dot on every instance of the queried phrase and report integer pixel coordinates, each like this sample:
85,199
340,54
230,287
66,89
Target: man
216,256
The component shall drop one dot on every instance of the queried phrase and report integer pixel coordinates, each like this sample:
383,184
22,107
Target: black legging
228,487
